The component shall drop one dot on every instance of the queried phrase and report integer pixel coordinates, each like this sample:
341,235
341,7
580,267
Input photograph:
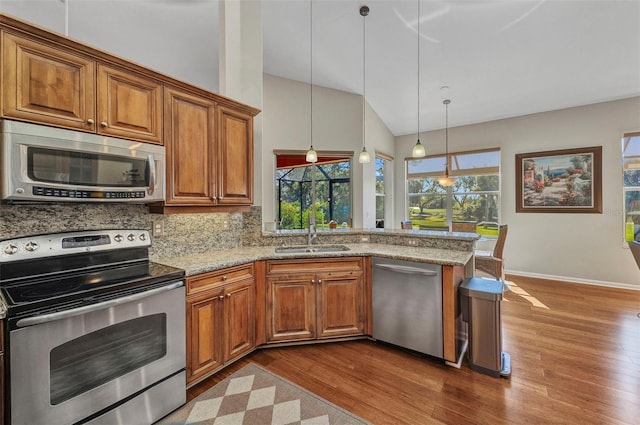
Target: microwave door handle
152,174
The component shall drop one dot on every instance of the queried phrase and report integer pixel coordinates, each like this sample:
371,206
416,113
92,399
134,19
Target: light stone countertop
214,260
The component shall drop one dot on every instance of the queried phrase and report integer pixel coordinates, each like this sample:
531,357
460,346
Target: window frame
325,157
448,192
625,140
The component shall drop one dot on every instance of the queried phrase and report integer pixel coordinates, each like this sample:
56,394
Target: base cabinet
314,299
220,319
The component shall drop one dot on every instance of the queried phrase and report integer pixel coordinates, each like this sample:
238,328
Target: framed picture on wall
560,181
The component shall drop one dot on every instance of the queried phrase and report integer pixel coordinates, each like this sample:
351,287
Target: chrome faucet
312,232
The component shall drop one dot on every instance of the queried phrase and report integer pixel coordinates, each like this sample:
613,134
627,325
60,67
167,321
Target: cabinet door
204,338
340,304
291,308
47,85
189,143
129,105
235,157
239,319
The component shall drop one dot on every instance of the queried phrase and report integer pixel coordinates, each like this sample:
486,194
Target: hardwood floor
575,359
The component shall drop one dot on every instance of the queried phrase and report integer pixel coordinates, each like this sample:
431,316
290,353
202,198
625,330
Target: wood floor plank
575,352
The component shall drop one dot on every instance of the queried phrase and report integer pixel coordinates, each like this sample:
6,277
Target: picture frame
559,181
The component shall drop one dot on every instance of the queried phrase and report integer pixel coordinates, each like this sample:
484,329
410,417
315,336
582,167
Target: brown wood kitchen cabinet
220,319
234,157
209,155
56,85
315,298
190,149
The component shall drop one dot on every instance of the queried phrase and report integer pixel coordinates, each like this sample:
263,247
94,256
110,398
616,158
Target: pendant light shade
418,150
364,157
446,180
312,155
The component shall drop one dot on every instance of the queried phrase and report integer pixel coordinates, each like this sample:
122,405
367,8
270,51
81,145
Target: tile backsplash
183,233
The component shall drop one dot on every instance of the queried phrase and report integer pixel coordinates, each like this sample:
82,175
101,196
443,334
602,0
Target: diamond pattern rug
255,396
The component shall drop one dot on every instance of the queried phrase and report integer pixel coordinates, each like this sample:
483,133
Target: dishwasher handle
406,269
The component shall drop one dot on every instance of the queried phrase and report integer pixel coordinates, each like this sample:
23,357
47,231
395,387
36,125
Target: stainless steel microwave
41,163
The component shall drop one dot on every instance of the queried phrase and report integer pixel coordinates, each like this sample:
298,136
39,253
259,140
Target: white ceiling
500,58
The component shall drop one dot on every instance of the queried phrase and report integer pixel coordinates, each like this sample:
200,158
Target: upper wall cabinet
129,105
235,157
47,85
209,154
190,146
52,85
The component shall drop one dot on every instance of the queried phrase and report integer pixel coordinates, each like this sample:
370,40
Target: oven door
70,365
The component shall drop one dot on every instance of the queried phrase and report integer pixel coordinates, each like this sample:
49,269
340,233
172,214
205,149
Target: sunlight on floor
524,294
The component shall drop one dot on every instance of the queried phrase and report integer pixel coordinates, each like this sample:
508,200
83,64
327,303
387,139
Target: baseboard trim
618,285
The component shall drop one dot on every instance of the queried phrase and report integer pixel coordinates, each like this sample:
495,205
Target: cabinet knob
214,198
90,121
313,281
228,295
104,124
221,297
224,277
319,280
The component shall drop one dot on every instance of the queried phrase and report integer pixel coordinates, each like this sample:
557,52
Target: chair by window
492,262
406,224
463,226
634,246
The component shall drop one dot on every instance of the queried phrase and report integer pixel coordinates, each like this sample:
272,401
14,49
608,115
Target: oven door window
91,360
86,169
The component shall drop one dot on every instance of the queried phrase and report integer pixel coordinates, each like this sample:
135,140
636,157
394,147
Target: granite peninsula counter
214,260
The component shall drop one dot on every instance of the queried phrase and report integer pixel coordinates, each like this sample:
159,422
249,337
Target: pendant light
312,155
446,181
418,150
364,157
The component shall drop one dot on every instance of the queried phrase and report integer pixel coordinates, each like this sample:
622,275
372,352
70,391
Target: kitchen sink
312,248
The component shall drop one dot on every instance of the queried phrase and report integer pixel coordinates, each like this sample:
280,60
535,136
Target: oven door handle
44,318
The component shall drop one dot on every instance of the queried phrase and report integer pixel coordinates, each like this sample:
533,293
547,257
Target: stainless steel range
95,331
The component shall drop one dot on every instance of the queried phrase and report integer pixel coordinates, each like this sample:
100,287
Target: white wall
337,125
580,247
378,138
158,43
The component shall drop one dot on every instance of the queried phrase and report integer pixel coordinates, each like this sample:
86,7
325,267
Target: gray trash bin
480,303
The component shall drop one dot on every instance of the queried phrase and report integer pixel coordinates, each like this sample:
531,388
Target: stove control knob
118,238
32,246
131,237
143,237
10,249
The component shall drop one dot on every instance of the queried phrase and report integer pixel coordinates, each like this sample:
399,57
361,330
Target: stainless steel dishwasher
407,304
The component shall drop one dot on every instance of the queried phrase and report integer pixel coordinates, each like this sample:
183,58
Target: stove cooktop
55,272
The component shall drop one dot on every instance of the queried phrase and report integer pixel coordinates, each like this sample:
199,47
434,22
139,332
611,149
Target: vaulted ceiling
499,58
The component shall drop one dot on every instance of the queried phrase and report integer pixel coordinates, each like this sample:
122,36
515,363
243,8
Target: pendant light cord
364,11
446,136
418,71
311,65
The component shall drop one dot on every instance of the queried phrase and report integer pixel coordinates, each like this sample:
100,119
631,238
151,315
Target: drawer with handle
206,281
